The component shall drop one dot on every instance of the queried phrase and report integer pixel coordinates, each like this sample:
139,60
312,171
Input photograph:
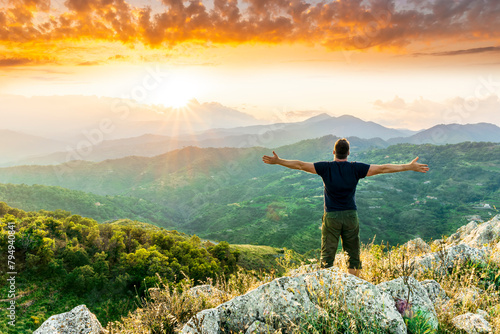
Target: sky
404,63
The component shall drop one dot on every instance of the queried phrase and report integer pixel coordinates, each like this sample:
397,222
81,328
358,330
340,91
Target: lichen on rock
77,321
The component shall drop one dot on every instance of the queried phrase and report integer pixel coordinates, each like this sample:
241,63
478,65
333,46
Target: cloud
461,52
341,24
79,5
6,62
396,103
89,63
117,57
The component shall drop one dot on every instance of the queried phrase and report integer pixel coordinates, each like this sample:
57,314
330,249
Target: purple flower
404,308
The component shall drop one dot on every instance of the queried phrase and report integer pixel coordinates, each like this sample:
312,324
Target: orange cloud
341,24
6,62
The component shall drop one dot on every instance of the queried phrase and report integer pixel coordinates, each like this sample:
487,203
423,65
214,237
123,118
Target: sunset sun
178,92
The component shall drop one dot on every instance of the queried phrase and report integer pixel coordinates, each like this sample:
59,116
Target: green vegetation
464,180
64,260
418,323
101,208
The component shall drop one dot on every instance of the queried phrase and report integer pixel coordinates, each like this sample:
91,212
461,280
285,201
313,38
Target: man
340,179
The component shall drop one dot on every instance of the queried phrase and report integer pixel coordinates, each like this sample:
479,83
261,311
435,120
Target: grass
332,318
166,309
264,257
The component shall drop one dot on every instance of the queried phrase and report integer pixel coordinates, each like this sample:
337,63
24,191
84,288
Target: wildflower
404,308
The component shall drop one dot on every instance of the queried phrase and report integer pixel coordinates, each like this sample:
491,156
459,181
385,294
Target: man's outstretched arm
389,168
292,164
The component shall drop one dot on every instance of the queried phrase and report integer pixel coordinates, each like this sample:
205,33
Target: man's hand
271,160
292,164
415,166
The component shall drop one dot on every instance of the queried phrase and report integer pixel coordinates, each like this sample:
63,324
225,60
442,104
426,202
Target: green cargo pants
343,224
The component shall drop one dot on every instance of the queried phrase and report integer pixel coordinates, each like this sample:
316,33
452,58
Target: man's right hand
271,160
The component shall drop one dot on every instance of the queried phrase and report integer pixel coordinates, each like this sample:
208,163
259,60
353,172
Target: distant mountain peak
318,118
349,117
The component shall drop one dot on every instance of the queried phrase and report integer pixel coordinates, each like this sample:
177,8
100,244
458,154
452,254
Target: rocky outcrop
409,289
483,234
417,247
472,323
284,301
462,231
472,242
77,321
435,292
445,260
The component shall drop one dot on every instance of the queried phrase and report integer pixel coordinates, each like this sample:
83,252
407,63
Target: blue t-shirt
340,179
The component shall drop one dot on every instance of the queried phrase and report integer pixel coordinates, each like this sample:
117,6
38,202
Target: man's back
340,218
340,179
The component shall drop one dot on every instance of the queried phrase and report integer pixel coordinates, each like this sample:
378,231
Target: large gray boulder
377,306
284,301
461,232
446,259
77,321
415,293
483,234
472,323
436,293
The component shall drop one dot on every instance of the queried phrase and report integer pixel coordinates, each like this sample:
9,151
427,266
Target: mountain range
30,150
16,145
453,134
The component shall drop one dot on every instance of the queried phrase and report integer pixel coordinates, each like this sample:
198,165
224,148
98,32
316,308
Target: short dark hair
341,148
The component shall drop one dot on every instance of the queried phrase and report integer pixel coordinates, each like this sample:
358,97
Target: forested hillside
229,194
101,208
64,260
